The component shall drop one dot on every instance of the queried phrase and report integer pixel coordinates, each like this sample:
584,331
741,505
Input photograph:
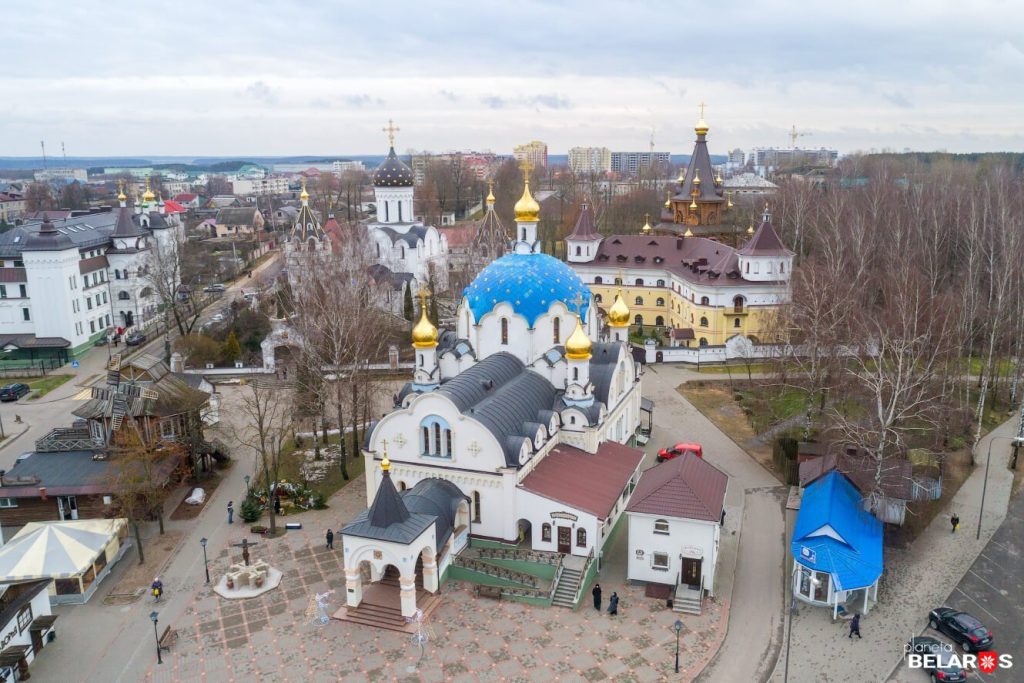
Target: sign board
75,364
808,554
564,515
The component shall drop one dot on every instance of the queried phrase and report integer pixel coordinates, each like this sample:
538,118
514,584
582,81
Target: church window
421,360
618,280
403,253
660,320
575,373
401,486
703,342
660,301
426,440
386,212
639,282
437,438
598,280
782,267
378,249
504,330
704,301
597,298
638,320
639,301
581,538
736,322
556,330
399,212
476,506
524,234
578,252
661,283
545,532
703,321
448,442
661,526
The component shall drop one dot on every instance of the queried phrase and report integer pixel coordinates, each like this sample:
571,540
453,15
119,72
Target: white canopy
56,550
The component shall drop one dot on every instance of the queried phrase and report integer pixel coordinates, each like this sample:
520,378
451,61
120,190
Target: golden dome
424,334
385,464
668,199
121,196
527,209
701,127
682,176
696,178
693,205
304,196
148,195
718,178
618,314
688,233
750,230
577,346
490,193
647,224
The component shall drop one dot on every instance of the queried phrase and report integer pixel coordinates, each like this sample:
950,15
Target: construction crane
652,142
793,135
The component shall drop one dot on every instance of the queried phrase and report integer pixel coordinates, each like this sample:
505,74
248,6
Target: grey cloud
494,102
449,95
899,99
258,90
362,100
551,101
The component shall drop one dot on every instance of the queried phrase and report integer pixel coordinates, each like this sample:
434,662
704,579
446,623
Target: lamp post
156,636
678,626
246,477
984,485
206,563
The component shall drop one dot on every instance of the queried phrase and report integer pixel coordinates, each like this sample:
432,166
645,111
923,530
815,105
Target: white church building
513,428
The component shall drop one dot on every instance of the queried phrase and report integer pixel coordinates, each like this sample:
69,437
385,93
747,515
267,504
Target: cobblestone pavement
470,638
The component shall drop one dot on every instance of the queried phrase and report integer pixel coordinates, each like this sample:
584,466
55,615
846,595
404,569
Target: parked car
217,318
12,392
964,629
940,667
214,288
135,339
677,450
248,295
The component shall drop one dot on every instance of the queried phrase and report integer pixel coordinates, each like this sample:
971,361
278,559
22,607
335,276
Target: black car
12,392
964,629
939,666
134,339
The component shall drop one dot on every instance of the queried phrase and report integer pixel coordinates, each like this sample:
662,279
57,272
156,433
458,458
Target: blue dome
530,283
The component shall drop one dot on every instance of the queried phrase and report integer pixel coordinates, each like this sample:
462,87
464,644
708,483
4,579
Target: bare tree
266,410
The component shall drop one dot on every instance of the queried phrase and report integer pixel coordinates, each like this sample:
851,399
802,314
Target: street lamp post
206,563
984,485
156,636
678,626
246,485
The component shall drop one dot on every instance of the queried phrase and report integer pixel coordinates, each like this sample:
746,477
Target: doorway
67,507
564,539
691,572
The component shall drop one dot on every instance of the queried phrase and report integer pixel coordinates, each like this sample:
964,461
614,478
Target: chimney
42,492
177,362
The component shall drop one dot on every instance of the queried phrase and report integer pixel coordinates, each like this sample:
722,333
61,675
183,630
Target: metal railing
583,577
495,571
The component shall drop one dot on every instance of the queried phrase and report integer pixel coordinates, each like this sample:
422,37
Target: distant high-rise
536,152
736,157
631,163
765,157
590,159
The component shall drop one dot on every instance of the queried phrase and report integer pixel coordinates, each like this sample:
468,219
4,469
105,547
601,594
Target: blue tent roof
834,534
530,283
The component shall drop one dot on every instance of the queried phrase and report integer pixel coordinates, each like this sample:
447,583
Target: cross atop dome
391,129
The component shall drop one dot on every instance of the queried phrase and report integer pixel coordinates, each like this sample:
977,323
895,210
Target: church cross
527,167
391,129
702,109
422,294
578,301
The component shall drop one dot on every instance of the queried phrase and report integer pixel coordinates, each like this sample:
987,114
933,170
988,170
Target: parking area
993,591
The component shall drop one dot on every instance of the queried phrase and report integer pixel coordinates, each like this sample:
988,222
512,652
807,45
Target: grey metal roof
47,239
602,368
437,497
415,232
55,471
125,225
387,519
85,231
505,397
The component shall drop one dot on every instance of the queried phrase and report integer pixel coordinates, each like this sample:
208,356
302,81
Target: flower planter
230,583
260,530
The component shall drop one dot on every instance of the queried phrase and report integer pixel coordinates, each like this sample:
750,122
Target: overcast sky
223,77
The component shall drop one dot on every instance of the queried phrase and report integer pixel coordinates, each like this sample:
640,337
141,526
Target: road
54,409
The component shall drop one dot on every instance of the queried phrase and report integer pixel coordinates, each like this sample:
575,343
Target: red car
677,450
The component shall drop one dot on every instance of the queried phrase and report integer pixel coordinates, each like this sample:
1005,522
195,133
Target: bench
168,638
489,592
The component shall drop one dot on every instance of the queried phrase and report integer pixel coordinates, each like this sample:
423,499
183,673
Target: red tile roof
591,482
171,206
585,229
765,242
458,235
687,487
185,197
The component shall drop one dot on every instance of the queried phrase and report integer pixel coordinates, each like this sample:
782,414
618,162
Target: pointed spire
387,507
585,229
122,198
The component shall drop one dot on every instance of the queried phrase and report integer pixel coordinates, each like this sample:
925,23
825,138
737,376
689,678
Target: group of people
613,602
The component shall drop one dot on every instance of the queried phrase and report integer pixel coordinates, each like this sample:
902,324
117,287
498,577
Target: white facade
659,545
17,632
590,159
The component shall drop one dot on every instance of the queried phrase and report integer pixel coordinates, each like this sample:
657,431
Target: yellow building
699,290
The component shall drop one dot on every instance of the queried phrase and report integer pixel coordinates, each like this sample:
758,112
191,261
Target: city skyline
272,78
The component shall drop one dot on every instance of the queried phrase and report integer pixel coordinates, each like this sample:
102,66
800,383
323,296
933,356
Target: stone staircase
567,587
687,600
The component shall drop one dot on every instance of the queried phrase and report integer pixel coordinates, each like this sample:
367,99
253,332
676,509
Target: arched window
504,330
378,249
598,280
618,280
556,330
448,442
737,303
661,283
638,320
575,373
704,301
639,282
703,342
597,298
425,445
639,301
572,419
476,506
401,486
661,526
431,429
524,234
437,438
782,267
660,320
660,301
123,296
703,321
421,360
748,267
581,538
403,253
545,532
577,251
736,322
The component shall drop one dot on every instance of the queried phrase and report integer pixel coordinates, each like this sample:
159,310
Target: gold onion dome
490,193
696,178
750,229
385,464
424,334
647,224
618,314
693,205
527,209
304,196
577,346
148,195
688,233
668,200
121,196
702,126
682,176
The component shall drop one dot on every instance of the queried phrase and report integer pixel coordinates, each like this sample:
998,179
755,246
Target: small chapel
514,427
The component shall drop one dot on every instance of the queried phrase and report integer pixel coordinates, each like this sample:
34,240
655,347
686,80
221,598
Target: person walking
954,522
330,540
231,512
277,504
855,626
597,596
613,604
